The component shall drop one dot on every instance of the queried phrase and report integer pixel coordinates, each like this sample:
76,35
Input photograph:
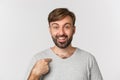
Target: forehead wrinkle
64,21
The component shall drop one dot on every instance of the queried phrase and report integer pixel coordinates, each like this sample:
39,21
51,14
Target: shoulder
85,54
87,57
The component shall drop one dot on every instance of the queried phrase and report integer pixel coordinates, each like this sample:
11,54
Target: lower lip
61,40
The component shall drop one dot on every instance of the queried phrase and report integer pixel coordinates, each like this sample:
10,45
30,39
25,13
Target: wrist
34,76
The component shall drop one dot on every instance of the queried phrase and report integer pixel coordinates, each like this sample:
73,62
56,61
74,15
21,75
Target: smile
61,39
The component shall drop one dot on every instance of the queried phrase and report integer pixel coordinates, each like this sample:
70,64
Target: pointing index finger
48,59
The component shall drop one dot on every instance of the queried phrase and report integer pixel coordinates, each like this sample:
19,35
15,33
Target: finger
48,60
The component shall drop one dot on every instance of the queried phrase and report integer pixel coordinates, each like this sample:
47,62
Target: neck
63,53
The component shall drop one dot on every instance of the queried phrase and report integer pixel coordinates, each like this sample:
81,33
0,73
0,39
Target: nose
61,31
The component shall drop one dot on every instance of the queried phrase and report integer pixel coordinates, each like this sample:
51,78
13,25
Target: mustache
57,36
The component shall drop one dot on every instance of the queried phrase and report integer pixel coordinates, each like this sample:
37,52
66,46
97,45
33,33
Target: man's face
62,32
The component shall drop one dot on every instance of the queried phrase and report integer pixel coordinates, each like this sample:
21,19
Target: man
63,61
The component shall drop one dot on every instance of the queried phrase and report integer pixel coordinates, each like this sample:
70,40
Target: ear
74,29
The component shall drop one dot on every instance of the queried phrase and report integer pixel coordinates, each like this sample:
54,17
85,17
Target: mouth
61,39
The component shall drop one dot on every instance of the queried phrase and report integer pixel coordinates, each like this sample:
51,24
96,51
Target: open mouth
61,39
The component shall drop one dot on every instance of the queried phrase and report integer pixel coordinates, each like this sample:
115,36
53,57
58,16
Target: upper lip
61,38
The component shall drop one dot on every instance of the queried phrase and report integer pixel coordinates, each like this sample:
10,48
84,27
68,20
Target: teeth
61,38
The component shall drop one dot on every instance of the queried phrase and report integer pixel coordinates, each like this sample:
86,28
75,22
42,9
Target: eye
67,26
55,27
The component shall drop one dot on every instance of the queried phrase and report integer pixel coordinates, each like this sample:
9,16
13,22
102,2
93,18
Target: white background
24,32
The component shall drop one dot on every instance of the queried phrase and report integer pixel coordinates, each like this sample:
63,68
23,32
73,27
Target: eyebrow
54,24
67,23
58,24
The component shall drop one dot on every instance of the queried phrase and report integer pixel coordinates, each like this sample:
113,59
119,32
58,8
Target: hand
41,67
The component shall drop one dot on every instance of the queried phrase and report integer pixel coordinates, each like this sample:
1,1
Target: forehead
66,20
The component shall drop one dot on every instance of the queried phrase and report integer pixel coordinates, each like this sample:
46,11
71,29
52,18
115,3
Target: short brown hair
59,14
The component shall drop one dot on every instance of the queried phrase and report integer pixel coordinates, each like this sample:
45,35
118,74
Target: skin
61,32
40,68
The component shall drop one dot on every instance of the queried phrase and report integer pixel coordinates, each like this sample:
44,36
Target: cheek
53,34
70,33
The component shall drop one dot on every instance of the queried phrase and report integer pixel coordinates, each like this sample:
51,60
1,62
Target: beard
63,44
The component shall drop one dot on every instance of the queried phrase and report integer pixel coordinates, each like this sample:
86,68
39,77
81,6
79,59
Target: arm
95,72
40,68
34,77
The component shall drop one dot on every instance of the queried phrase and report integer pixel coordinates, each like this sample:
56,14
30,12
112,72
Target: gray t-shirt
80,66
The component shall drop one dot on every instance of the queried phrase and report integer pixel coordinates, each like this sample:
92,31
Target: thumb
48,60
